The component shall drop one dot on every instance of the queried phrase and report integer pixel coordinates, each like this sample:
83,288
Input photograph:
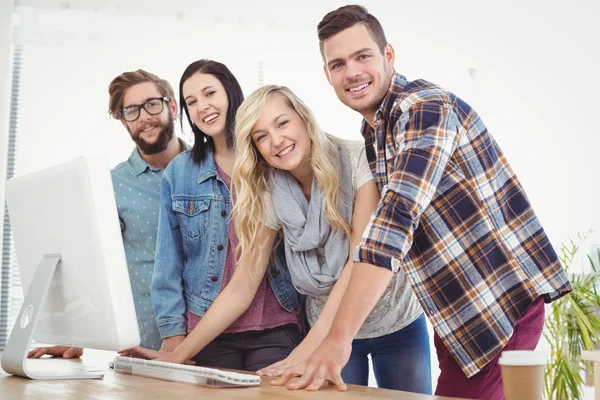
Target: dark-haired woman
195,250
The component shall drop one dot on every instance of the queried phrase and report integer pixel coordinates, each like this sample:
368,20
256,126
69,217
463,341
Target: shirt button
395,265
214,278
220,247
223,213
430,311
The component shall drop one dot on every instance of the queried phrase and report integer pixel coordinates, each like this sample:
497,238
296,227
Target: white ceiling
272,13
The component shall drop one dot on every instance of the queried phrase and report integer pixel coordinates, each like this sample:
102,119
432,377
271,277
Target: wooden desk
117,385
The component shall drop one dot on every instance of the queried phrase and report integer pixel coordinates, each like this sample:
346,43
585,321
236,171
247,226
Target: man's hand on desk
56,351
325,364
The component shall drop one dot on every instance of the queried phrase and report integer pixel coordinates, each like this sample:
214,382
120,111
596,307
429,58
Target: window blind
11,295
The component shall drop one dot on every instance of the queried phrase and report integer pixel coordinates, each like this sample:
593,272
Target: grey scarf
315,253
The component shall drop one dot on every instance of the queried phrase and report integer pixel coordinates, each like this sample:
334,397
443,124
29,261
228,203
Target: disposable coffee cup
523,374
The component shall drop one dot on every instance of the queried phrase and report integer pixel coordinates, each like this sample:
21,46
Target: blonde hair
251,173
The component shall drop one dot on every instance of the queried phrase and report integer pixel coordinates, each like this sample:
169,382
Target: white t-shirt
398,307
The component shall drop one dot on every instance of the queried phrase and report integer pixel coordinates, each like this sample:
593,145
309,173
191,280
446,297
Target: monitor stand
14,359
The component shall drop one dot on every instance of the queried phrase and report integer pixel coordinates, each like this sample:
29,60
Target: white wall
530,67
535,81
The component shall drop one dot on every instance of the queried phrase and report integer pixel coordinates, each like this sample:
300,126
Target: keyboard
183,373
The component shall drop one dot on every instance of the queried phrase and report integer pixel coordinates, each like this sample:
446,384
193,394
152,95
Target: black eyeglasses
152,106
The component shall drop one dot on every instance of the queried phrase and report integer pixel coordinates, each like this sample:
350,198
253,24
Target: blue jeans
401,360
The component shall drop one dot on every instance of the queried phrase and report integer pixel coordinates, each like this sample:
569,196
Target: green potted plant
572,325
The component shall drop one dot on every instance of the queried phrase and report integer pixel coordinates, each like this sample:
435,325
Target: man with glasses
146,106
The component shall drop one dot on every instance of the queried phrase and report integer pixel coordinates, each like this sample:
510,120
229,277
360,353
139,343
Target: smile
210,117
148,128
359,88
286,150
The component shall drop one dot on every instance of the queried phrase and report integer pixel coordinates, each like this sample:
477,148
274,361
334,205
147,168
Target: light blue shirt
137,193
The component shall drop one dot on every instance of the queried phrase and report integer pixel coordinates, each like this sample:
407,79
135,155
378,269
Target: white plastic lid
522,358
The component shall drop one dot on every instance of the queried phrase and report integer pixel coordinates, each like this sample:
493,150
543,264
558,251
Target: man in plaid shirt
452,215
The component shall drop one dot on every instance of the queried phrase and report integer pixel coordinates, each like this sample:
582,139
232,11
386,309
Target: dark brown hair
120,85
346,17
235,96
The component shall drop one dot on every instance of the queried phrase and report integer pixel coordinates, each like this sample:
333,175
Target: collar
140,165
397,84
208,168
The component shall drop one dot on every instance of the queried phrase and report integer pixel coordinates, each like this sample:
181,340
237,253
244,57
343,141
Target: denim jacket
191,245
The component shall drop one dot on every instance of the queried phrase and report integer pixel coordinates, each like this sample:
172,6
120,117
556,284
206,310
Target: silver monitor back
69,210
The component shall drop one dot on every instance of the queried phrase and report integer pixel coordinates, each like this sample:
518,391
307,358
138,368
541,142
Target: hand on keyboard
148,354
184,373
139,352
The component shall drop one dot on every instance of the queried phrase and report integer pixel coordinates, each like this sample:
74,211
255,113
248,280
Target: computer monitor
73,269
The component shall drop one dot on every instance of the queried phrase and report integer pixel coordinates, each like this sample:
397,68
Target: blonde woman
319,190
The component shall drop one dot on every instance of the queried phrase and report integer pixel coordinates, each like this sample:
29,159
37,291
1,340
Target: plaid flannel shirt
454,216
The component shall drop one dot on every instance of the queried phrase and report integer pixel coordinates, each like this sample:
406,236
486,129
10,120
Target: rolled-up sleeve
426,135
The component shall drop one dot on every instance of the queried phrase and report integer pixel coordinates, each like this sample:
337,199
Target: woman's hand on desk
288,373
139,352
56,351
148,354
324,365
292,363
170,344
172,357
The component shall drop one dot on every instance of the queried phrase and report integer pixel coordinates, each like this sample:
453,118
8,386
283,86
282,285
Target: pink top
264,311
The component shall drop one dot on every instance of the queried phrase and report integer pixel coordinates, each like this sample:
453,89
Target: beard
162,141
373,104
